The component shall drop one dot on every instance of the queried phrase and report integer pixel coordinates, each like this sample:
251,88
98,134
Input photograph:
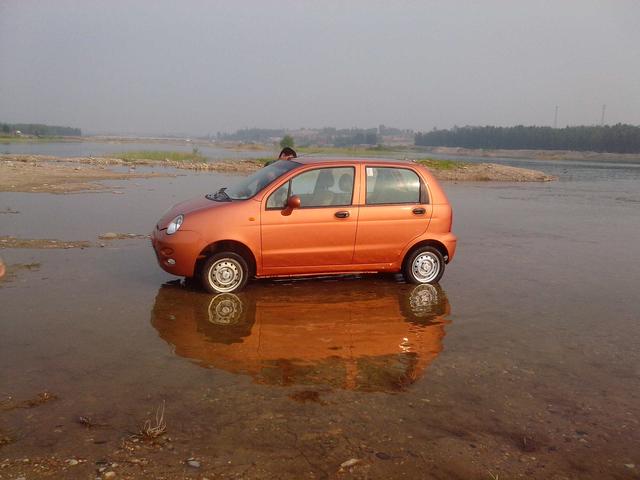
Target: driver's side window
321,187
278,199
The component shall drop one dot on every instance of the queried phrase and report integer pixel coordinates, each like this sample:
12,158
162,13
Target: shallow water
524,362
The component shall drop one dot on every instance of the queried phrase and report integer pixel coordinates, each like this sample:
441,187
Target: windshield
251,185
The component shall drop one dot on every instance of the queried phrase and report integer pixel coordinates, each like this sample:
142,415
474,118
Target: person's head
287,153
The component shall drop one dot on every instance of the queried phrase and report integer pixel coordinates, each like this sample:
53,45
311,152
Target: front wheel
224,272
425,265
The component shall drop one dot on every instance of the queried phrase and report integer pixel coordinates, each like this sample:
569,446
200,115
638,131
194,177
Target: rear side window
387,185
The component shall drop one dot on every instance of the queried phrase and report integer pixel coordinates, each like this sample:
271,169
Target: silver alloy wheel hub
423,298
225,275
225,309
425,267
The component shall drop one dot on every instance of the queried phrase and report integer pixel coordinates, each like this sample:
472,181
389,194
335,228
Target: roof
358,160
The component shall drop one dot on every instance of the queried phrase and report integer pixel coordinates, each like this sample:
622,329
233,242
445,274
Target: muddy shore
36,174
50,174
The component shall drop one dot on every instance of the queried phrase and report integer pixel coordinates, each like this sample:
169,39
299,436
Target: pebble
193,463
72,462
108,235
630,465
350,463
109,475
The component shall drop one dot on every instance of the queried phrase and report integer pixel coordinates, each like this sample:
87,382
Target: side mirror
292,202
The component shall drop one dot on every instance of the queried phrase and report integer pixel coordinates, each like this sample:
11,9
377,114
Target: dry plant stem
150,430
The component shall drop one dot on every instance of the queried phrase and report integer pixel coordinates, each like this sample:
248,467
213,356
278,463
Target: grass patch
160,156
260,160
434,164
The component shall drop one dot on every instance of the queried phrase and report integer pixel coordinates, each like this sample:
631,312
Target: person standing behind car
287,153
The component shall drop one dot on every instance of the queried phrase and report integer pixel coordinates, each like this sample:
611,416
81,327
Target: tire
224,272
424,265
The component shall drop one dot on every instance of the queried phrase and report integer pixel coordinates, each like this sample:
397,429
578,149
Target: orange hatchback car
311,216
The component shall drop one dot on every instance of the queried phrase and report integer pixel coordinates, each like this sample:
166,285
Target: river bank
534,154
52,174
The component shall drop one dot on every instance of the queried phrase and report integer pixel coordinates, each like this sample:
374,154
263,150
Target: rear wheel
424,265
224,272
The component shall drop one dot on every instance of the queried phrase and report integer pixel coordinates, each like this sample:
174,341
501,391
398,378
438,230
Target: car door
396,210
321,232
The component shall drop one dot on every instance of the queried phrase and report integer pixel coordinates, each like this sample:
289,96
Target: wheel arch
227,246
424,243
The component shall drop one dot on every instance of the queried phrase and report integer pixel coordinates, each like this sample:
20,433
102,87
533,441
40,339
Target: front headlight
174,226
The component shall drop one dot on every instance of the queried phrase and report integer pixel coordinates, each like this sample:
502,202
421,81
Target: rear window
387,185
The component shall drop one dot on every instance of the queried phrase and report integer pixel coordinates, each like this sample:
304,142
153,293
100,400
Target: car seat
321,193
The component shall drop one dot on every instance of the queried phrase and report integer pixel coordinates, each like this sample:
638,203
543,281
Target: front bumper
177,253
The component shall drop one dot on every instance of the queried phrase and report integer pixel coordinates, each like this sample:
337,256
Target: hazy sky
208,66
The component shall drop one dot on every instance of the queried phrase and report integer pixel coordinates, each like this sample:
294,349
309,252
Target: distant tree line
346,137
619,138
324,136
39,130
384,130
260,135
356,137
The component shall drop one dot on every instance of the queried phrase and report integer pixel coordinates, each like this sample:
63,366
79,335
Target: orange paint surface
354,237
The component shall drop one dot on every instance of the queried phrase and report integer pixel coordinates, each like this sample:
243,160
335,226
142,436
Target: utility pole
555,118
604,109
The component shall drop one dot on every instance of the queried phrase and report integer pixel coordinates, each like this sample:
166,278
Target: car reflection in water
368,334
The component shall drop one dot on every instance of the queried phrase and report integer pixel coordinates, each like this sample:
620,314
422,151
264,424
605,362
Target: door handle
419,211
342,214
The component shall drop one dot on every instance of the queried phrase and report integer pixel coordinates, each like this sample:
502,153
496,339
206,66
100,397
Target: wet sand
525,363
56,175
12,242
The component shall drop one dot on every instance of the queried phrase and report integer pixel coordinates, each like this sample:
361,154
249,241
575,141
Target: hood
185,208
